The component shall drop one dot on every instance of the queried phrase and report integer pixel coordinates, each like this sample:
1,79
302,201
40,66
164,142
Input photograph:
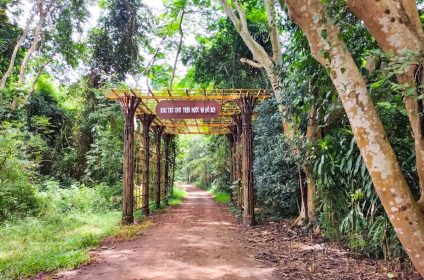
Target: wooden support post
173,160
158,130
129,105
166,139
247,104
238,156
230,149
233,141
146,120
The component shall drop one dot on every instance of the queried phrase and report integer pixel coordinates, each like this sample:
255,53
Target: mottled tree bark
379,157
246,105
158,135
397,29
146,120
129,105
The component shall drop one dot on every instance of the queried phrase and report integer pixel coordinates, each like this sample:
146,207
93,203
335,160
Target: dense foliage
61,140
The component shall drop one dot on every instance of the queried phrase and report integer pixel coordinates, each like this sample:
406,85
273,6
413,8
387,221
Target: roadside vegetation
219,196
61,139
177,196
73,222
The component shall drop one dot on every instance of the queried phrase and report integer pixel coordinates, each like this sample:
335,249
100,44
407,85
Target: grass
32,245
44,244
219,196
178,196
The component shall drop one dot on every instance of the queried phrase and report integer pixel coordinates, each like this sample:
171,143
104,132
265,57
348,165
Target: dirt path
195,240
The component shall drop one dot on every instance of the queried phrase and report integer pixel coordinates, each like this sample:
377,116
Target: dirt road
195,240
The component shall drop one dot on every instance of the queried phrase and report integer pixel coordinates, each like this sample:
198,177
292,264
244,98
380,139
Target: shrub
17,193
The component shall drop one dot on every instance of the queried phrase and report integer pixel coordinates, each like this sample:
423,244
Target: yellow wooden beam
196,125
191,97
199,133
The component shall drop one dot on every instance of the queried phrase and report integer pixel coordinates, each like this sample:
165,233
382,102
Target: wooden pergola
234,120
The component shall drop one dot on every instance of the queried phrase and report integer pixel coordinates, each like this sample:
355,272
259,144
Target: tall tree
123,29
49,28
397,28
272,64
329,49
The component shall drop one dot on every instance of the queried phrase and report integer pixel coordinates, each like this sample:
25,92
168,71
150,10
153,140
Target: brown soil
302,255
195,240
200,239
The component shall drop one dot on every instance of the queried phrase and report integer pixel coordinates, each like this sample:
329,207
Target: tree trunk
158,134
129,105
33,47
174,156
238,158
246,105
379,157
166,138
271,64
146,120
312,134
307,182
230,139
397,29
43,10
15,52
302,218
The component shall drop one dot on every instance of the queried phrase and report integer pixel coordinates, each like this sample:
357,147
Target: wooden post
158,130
230,149
173,160
166,139
247,104
233,141
129,105
146,120
238,156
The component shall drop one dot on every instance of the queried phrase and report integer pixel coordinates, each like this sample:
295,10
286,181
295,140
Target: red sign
188,109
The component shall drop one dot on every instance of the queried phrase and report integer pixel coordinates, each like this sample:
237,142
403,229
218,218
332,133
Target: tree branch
252,63
174,68
230,13
15,51
275,42
242,14
258,51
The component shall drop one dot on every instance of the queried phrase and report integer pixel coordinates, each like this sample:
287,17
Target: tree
51,25
329,50
272,64
123,29
398,30
15,51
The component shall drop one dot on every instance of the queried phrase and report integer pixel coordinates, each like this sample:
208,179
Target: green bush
275,169
81,199
17,193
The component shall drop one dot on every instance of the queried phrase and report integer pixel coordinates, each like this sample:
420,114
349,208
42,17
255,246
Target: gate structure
154,118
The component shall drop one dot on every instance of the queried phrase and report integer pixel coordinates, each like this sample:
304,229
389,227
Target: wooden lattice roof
226,97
